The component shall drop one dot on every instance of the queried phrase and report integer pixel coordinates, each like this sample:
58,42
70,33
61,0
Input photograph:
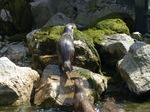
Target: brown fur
81,102
110,106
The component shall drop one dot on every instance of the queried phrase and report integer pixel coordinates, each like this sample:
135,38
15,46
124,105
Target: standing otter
65,48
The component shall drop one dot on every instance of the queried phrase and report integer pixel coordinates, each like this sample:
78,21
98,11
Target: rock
85,57
134,68
58,19
107,27
4,50
17,51
19,19
96,12
55,89
5,15
16,83
42,44
114,48
137,36
83,13
110,106
146,38
42,11
116,25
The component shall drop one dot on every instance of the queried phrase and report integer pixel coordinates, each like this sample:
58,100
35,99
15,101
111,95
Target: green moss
96,35
116,25
106,28
49,33
86,38
78,35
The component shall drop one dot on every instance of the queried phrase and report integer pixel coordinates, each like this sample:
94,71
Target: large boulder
55,89
58,19
107,27
114,48
16,83
134,68
83,13
42,11
90,12
42,44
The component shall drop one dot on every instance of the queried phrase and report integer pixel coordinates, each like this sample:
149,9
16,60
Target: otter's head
69,28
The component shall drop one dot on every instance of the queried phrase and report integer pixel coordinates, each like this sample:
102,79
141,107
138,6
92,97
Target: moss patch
96,35
116,25
51,33
106,27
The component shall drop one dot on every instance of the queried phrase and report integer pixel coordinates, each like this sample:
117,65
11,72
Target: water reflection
129,106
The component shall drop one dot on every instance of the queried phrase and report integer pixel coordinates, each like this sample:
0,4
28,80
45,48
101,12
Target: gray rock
55,89
17,51
85,57
5,15
114,48
42,12
4,50
135,68
16,83
58,19
32,42
81,12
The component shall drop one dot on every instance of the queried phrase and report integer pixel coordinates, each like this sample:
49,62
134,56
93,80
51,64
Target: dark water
129,106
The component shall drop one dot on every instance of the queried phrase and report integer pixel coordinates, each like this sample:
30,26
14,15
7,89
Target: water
128,105
116,88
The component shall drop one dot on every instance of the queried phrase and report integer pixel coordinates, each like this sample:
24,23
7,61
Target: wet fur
65,49
80,101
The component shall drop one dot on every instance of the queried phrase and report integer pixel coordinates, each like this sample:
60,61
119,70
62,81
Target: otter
80,101
65,48
110,106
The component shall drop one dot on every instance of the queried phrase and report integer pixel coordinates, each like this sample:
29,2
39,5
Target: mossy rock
46,40
106,28
96,35
50,35
116,25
